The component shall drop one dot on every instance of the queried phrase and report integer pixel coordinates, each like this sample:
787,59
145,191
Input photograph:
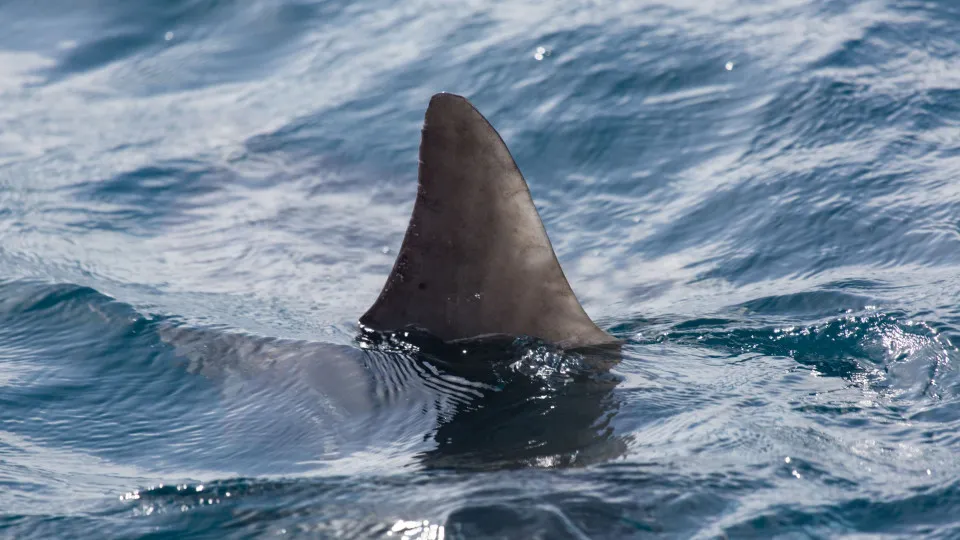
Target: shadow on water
536,405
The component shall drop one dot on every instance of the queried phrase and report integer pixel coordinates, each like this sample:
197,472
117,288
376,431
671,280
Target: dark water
199,198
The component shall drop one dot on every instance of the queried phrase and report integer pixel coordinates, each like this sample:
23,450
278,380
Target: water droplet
385,250
541,52
168,36
729,66
786,459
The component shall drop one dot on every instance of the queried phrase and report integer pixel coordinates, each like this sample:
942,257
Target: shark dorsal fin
476,259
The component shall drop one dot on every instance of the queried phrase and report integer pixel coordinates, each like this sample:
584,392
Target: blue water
199,198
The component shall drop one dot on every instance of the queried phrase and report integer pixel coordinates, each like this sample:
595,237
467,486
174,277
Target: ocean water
198,199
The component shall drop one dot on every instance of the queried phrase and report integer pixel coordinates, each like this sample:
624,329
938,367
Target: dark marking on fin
476,259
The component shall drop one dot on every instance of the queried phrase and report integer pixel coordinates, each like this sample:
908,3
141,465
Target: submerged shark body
448,340
315,407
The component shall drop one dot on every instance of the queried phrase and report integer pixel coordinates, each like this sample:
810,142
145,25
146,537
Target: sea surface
199,198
